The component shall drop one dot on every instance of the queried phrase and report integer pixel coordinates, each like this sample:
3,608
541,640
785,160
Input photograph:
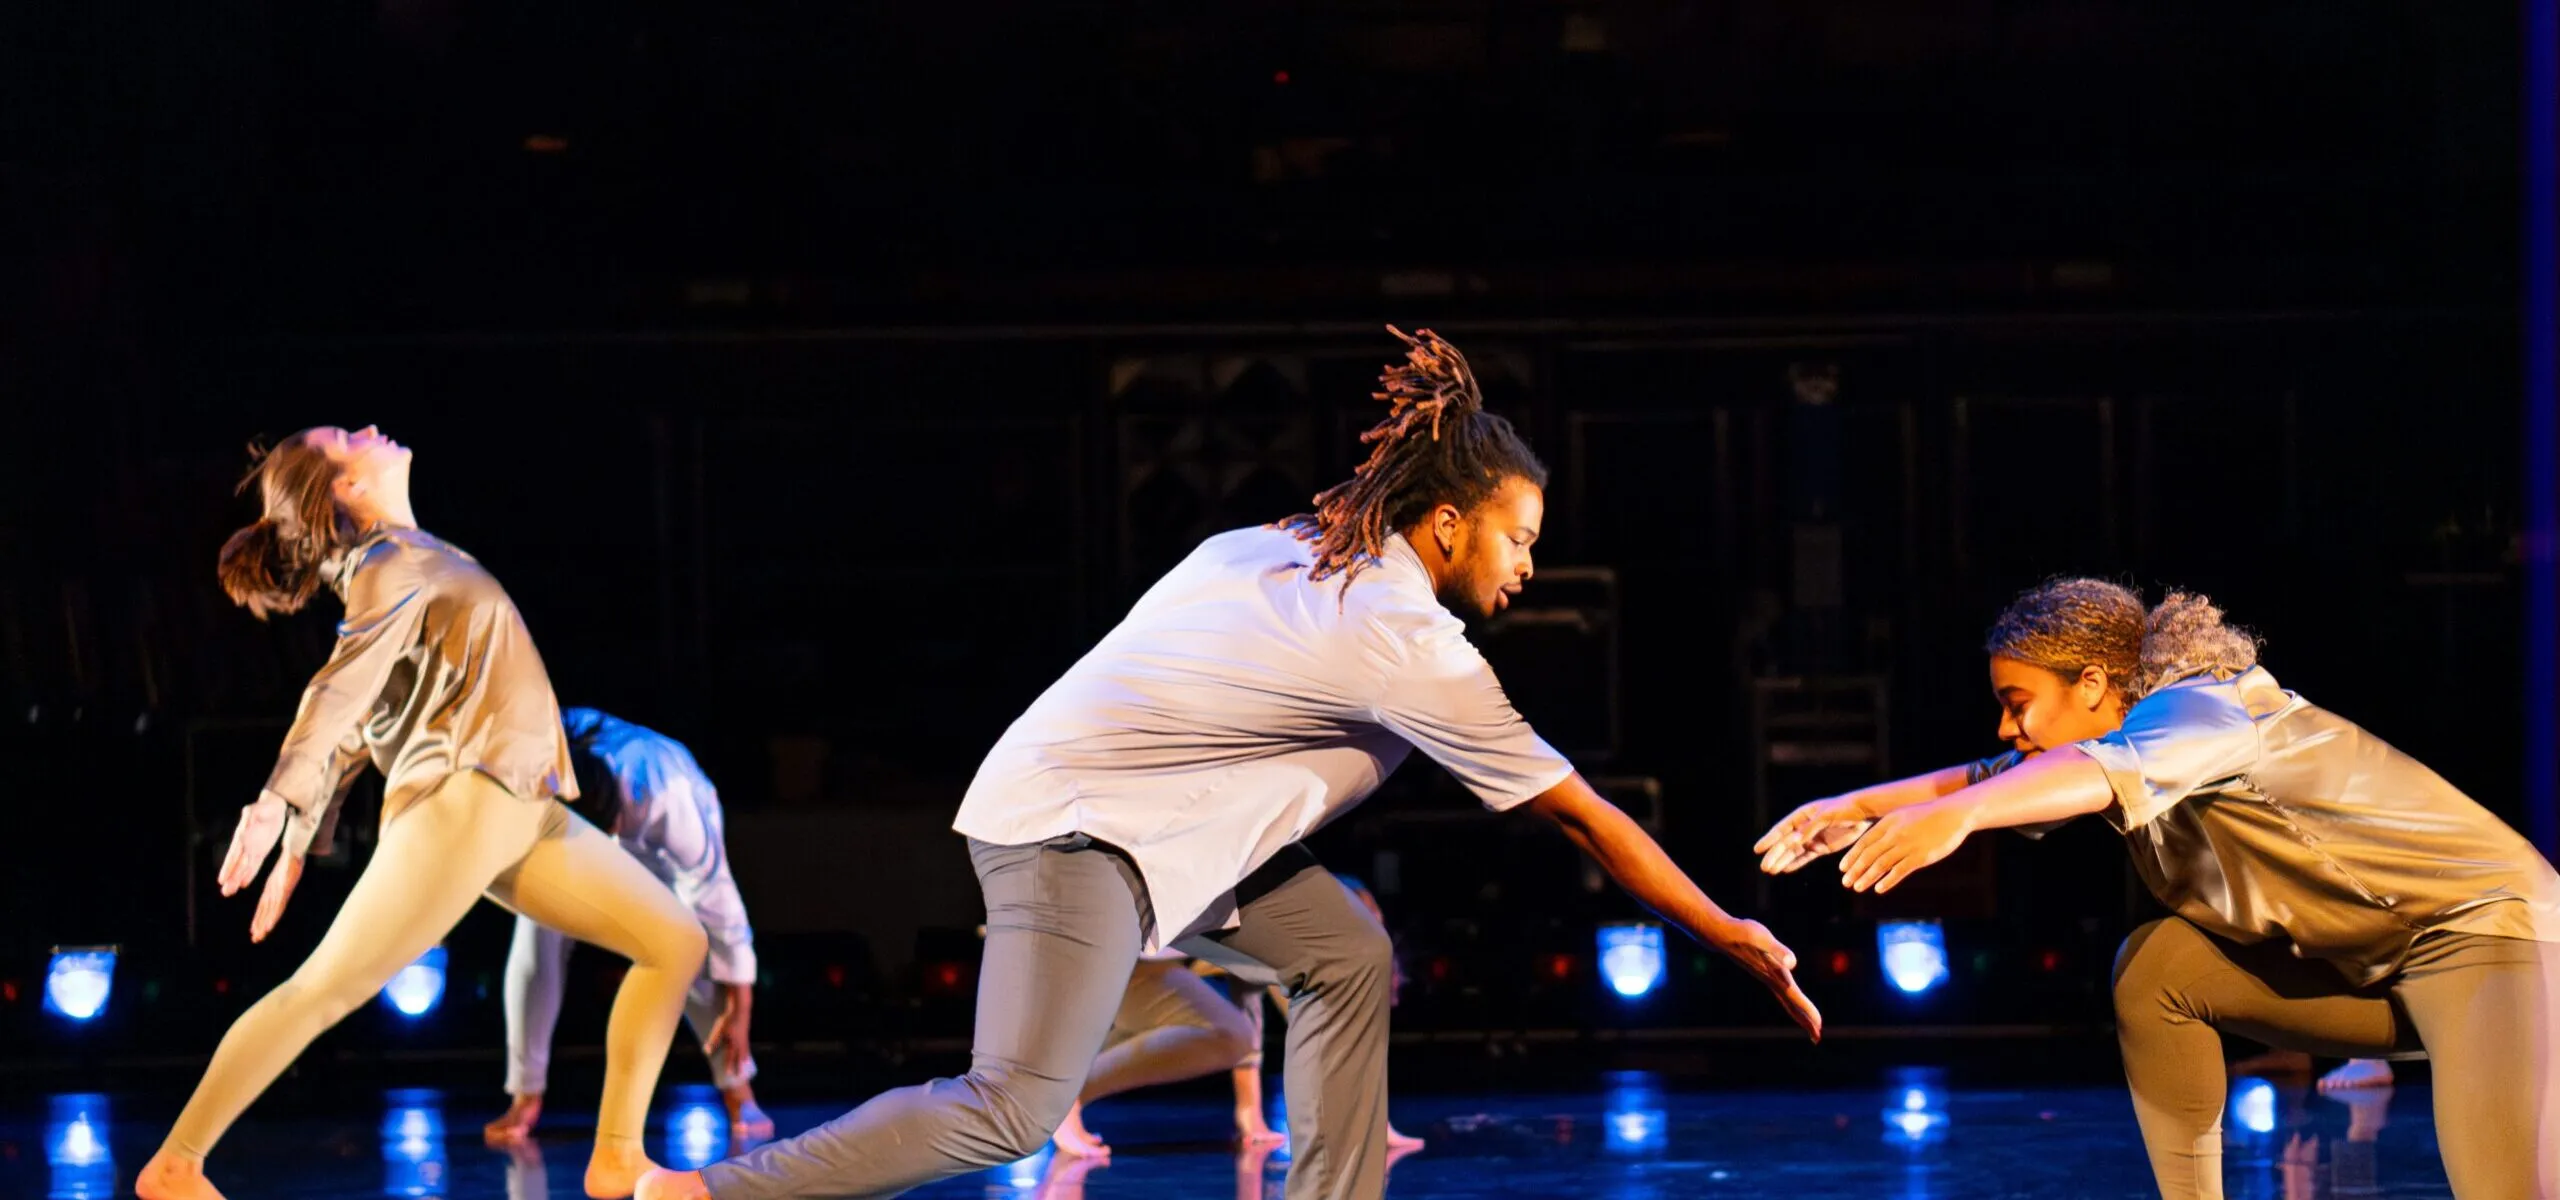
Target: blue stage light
76,1148
2253,1106
77,983
697,1129
413,1158
416,989
1631,957
1914,954
1636,1120
1915,1110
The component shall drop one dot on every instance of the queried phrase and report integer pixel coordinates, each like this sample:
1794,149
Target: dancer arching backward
1259,690
2331,894
643,788
436,682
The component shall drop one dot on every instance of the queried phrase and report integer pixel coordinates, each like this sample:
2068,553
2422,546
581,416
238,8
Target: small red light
948,975
1560,966
835,977
1439,970
1280,77
222,987
2052,960
1840,962
9,991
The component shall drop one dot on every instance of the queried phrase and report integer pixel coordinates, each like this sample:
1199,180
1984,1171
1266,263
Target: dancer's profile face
2040,709
1488,549
372,469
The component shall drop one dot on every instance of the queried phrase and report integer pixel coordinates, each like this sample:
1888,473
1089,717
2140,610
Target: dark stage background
823,379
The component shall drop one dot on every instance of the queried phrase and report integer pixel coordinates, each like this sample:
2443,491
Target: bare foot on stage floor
515,1124
2358,1073
615,1170
663,1184
169,1177
1253,1130
1073,1138
747,1119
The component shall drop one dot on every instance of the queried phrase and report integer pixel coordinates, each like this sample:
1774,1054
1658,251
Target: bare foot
1252,1130
1073,1138
1065,1178
2358,1073
515,1124
2274,1062
2368,1111
615,1170
169,1177
747,1119
663,1184
1399,1141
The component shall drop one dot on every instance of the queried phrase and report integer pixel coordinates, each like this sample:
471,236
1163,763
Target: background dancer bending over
644,788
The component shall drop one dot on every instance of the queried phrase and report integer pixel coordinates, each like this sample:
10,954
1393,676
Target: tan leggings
2485,1010
468,838
1172,1025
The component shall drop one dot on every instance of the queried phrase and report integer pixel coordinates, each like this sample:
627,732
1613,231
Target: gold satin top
2258,815
434,672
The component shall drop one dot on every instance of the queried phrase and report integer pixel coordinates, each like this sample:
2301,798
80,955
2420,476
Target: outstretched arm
2046,789
1828,825
1637,862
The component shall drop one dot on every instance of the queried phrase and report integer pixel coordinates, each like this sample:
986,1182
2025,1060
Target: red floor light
1840,963
1560,967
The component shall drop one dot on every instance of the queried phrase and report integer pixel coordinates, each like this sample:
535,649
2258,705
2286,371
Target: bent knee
678,946
1023,1111
2142,971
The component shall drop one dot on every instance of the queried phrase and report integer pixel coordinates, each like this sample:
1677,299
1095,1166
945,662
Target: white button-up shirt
1239,707
671,822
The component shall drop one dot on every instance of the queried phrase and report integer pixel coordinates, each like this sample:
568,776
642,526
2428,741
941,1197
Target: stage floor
1632,1135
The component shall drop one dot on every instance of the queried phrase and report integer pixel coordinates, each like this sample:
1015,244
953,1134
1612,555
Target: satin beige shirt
2258,815
433,673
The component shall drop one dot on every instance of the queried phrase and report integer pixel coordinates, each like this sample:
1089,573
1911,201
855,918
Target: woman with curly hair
2330,893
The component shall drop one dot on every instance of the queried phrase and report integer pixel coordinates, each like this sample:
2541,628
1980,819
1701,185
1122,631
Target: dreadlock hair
1436,446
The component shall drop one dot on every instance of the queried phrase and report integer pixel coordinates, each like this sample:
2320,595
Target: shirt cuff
2136,803
732,964
304,783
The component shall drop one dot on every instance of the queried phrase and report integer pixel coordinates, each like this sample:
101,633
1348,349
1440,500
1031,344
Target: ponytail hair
2186,635
275,563
1436,446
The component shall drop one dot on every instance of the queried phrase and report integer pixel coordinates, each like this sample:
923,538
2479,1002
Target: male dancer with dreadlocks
1262,688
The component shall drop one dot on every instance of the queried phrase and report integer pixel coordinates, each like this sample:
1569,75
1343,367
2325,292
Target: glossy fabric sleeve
385,606
2179,741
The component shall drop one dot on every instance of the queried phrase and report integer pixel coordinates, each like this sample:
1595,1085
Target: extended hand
1808,833
1903,842
279,889
1750,944
729,1030
261,825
